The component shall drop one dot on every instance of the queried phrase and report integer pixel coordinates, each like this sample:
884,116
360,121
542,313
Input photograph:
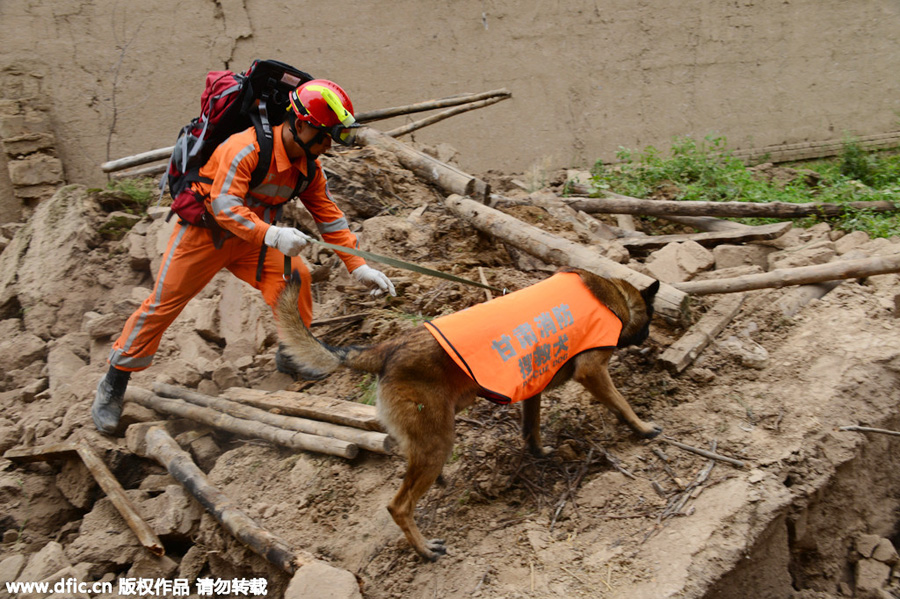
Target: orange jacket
248,214
512,346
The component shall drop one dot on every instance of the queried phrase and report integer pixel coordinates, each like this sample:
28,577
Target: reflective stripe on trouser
189,264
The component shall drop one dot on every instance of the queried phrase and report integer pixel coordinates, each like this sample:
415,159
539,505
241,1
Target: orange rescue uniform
512,346
192,259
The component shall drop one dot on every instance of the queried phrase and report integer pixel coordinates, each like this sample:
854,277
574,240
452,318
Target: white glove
287,240
373,278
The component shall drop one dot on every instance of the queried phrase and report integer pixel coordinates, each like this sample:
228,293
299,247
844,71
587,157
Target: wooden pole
137,159
385,113
246,428
163,448
476,99
144,171
447,177
292,403
370,440
866,429
623,204
446,114
104,478
670,302
782,277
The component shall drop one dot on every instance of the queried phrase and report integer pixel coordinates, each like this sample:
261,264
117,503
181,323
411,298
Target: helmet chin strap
310,157
306,145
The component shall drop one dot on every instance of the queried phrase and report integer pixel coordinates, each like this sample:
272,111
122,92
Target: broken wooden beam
386,113
783,277
137,159
683,352
616,203
246,428
792,301
559,210
445,114
371,440
447,177
160,446
315,407
669,302
104,478
709,239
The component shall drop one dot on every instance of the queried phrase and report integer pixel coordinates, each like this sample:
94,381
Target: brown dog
426,377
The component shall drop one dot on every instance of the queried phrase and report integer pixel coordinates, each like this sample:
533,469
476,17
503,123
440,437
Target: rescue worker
319,112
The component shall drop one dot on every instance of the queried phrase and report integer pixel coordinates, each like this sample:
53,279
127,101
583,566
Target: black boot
107,408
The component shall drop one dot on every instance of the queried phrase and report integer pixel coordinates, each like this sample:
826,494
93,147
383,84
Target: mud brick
36,170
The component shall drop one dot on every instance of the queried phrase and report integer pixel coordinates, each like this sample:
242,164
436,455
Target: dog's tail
306,355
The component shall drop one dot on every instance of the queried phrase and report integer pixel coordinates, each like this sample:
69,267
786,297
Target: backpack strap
263,128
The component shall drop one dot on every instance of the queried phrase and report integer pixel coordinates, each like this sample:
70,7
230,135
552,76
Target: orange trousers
189,263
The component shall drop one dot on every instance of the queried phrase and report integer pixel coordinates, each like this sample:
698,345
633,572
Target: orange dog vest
512,346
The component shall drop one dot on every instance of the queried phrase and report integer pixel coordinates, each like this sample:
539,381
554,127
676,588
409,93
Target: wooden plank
41,453
293,403
708,239
683,352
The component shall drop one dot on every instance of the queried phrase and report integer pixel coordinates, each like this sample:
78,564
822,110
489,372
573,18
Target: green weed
367,390
708,171
141,190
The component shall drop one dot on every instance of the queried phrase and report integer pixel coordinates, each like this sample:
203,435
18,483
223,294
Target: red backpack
230,103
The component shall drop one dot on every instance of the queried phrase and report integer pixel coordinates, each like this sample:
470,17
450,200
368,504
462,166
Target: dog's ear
650,292
295,277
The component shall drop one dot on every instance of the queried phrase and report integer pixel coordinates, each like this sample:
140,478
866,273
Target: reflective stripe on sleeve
333,226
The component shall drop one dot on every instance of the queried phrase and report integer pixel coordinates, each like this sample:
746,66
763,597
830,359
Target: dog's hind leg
427,435
531,424
591,370
421,472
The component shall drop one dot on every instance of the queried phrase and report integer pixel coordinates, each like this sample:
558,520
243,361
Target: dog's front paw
433,549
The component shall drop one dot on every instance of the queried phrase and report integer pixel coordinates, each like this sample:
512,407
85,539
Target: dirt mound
607,514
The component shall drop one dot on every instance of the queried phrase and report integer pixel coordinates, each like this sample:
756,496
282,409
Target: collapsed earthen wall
586,77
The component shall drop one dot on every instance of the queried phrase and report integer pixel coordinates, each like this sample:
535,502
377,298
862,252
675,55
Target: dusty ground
607,515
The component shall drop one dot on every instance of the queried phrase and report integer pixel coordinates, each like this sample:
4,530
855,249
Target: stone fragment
678,262
10,567
76,483
817,252
746,351
45,562
36,169
751,254
866,544
851,241
317,579
885,552
871,576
